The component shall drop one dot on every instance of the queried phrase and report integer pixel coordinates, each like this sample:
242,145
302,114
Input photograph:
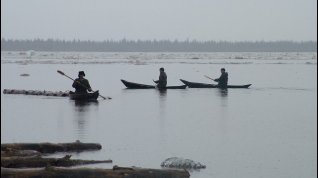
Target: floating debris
239,57
36,92
24,75
176,162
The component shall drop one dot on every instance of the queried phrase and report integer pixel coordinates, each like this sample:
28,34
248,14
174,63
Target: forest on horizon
156,46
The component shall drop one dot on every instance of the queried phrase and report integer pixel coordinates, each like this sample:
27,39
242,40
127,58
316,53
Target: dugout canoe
132,85
206,85
84,96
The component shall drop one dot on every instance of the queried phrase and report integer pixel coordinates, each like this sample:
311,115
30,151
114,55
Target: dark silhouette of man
222,80
81,84
162,82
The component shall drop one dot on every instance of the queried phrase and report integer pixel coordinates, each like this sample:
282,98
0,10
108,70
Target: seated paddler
81,84
222,80
162,82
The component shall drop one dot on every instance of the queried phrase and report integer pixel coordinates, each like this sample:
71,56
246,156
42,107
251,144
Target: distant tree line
157,46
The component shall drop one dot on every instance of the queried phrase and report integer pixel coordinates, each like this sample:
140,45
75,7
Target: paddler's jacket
222,81
162,82
79,88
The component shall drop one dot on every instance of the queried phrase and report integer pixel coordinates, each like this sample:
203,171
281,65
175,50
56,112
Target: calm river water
268,130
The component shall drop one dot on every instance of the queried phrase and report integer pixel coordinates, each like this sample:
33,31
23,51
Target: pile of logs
25,160
29,155
36,92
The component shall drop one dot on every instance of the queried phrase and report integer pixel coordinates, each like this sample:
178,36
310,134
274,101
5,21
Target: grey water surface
268,130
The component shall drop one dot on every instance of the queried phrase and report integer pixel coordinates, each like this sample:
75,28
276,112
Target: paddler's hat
81,73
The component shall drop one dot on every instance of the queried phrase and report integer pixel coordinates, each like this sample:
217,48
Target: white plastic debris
175,162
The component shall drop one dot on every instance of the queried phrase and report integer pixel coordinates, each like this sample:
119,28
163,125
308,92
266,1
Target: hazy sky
232,20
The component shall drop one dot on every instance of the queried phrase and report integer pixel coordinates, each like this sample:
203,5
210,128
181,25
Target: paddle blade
60,72
105,98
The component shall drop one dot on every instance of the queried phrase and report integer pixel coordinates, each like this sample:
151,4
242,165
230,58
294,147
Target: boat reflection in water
223,92
83,104
162,93
82,114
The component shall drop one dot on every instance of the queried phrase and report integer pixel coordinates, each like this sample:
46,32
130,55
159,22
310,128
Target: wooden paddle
62,73
208,77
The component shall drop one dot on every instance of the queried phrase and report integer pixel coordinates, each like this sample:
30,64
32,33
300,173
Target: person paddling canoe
222,80
81,84
162,82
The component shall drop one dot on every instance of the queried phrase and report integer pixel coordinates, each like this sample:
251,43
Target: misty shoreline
156,46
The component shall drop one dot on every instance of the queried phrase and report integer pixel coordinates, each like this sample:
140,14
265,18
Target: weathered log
52,147
23,153
94,173
35,162
36,92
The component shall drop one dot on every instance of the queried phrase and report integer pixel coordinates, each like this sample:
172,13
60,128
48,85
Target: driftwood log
35,162
51,147
116,172
22,153
36,92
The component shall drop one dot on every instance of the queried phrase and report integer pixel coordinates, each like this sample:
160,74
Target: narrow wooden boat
84,96
205,85
132,85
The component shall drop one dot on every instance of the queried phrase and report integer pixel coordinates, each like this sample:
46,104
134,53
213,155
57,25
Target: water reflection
223,92
162,93
83,105
162,114
81,115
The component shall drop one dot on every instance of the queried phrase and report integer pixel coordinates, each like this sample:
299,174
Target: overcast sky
231,20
